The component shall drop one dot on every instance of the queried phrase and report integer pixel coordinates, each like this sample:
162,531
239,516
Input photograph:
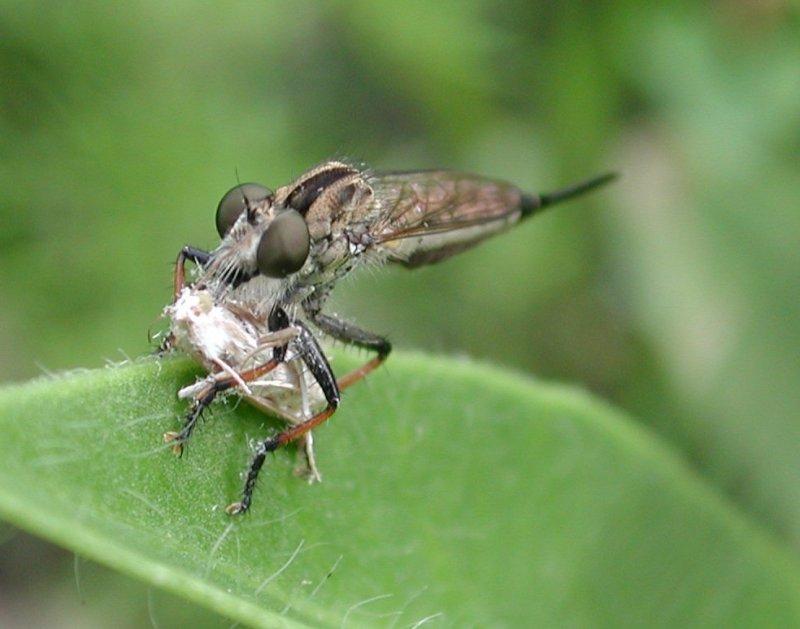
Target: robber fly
248,316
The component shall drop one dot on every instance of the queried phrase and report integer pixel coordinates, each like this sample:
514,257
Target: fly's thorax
336,199
342,205
330,261
332,255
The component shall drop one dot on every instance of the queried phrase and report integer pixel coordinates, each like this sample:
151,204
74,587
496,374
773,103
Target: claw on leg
175,439
235,508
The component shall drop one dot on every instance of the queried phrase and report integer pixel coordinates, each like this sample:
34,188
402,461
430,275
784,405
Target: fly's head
290,239
260,237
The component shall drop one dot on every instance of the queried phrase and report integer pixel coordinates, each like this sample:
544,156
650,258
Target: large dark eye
233,204
284,246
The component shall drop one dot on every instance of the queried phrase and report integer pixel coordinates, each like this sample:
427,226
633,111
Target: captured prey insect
226,339
249,314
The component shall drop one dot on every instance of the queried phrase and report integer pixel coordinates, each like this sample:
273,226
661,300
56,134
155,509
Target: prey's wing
427,216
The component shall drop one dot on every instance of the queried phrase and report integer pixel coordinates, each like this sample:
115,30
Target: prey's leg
348,333
308,471
293,415
311,354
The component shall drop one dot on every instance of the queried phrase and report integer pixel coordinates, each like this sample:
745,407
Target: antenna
250,212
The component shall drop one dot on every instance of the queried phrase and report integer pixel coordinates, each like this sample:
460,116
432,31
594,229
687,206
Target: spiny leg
311,354
203,399
353,335
308,469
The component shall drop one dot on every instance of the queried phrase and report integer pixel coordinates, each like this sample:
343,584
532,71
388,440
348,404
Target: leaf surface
453,493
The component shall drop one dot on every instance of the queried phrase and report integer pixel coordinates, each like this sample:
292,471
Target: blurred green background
674,295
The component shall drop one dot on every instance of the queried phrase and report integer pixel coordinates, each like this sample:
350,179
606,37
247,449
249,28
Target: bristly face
275,236
259,237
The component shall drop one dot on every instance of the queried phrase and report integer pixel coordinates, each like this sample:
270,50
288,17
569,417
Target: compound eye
236,201
284,246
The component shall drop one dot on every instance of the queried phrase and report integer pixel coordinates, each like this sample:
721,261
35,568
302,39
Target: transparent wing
426,216
420,202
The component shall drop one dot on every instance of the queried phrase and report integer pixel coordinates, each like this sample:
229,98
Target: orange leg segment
198,256
357,374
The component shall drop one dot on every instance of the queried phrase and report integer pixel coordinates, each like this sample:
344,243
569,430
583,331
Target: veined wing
427,216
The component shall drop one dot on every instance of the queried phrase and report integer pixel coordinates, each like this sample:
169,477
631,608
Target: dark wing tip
533,203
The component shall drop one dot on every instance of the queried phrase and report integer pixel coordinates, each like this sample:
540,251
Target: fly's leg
308,468
198,256
348,333
311,354
349,379
203,399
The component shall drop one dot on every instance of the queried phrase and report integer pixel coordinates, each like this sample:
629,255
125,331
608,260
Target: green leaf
453,492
